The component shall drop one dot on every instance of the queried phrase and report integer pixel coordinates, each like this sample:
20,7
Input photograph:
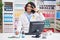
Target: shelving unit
57,16
47,7
8,19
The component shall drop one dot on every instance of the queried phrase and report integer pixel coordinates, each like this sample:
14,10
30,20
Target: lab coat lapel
26,19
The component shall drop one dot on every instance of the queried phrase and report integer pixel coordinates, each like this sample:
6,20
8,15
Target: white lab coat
24,23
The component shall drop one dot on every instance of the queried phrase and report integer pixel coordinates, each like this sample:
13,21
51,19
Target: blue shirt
28,16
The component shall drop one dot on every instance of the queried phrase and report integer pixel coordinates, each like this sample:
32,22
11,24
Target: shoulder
22,16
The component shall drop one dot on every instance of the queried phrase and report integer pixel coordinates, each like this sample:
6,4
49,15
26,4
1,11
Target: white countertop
4,36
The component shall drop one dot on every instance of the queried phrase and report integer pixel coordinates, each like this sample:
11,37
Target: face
29,8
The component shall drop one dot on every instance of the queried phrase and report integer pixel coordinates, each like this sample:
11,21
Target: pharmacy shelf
58,21
19,3
57,18
21,8
8,19
7,0
47,4
8,23
58,15
49,18
8,12
58,25
48,27
57,8
48,9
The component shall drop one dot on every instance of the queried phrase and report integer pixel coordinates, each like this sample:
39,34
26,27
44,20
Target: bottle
20,34
23,34
44,34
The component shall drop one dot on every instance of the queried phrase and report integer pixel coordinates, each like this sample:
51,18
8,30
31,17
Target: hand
16,32
35,9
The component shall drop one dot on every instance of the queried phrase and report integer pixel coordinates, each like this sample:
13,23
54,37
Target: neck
29,12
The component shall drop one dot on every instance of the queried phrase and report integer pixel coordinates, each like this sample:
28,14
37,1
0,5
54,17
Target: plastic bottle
44,34
23,34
